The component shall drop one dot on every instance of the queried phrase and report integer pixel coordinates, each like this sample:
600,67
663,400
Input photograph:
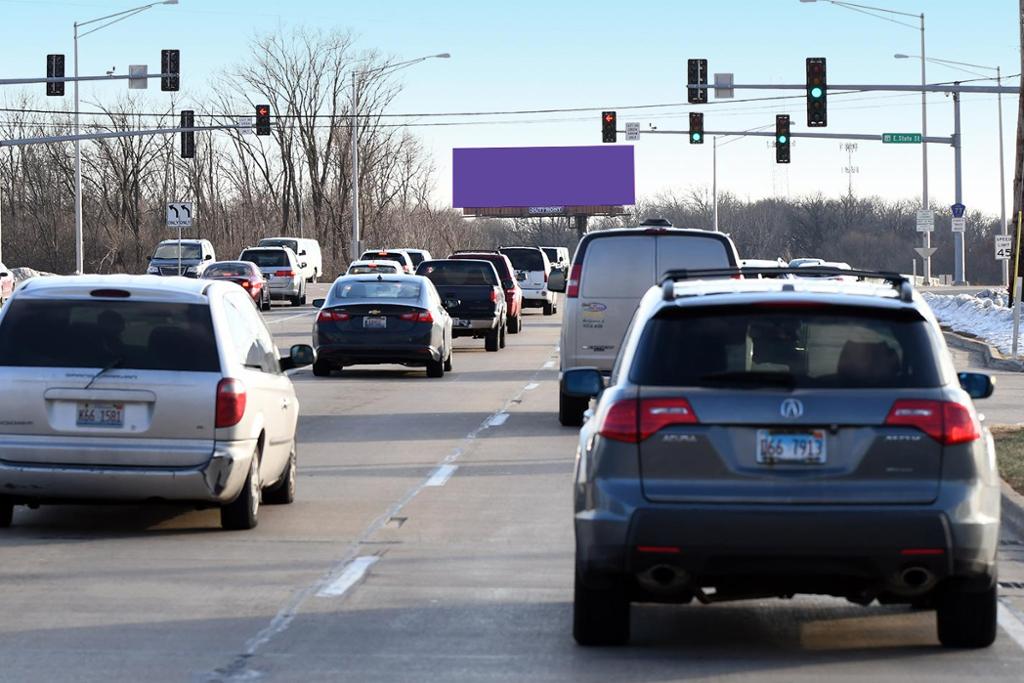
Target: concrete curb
993,359
1013,511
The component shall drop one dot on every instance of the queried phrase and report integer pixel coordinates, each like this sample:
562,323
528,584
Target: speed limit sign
1004,247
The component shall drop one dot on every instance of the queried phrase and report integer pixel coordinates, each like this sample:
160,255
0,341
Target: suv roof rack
899,282
475,251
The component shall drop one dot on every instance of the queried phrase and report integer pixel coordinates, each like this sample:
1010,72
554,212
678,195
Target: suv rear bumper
533,298
219,480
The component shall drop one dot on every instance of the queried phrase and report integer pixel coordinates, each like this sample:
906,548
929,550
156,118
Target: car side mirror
451,302
556,281
302,253
976,384
299,356
208,257
582,382
303,264
319,303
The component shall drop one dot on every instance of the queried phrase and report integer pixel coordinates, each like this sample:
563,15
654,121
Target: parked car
307,252
476,300
382,319
611,271
171,391
559,256
532,271
507,276
244,274
763,438
418,256
191,255
371,267
281,270
400,255
7,283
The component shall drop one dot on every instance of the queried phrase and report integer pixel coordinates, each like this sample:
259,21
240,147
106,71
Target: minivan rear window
525,258
170,250
778,346
131,335
269,258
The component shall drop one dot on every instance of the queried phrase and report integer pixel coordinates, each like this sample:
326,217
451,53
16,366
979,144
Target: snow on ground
982,316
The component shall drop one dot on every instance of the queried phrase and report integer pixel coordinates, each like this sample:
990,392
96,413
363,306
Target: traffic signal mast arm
66,79
112,134
935,87
795,134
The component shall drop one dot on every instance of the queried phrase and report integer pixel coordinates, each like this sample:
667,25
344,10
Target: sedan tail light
947,422
230,402
634,420
329,315
572,289
418,316
246,284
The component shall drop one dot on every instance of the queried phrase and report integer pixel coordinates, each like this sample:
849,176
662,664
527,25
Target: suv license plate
100,415
801,448
376,323
461,322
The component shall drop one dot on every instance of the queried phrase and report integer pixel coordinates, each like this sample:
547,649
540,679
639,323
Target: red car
513,292
245,274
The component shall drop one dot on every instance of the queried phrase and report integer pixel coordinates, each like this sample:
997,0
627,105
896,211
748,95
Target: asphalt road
431,539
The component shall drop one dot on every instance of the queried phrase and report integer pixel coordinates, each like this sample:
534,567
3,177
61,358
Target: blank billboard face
542,176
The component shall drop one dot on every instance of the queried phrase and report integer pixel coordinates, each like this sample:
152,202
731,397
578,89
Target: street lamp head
170,2
900,55
443,55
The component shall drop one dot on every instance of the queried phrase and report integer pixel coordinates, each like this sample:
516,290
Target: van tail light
327,315
494,295
286,273
634,420
418,316
545,276
572,289
230,402
947,422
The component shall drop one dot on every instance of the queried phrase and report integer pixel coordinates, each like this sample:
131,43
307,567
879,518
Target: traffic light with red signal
262,119
608,130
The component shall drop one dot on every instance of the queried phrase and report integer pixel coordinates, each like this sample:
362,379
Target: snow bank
984,318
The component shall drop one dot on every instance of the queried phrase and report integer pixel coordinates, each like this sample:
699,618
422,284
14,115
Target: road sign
958,210
179,215
723,86
959,224
245,125
1004,247
925,252
137,76
632,130
925,220
902,138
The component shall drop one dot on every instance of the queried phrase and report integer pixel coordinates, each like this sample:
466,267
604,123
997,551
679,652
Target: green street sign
902,138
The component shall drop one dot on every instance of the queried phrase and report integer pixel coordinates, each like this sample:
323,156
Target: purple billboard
542,176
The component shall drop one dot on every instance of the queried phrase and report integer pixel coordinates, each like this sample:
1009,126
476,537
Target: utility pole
1018,165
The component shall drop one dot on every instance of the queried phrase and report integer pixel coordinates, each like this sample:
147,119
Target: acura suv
766,437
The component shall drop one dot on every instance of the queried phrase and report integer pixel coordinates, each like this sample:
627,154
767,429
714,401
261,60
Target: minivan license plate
791,447
375,323
100,415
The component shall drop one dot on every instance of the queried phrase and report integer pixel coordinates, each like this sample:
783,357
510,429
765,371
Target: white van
611,271
308,252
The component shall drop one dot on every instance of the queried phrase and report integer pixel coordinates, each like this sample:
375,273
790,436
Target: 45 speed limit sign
1004,247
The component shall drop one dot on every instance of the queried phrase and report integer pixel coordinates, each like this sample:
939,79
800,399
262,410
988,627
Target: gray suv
766,437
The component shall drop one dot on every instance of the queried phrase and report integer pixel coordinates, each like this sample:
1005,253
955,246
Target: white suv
135,388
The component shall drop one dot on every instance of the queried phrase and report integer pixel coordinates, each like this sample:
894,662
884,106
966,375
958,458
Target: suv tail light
634,420
328,315
572,289
230,402
494,295
947,422
286,273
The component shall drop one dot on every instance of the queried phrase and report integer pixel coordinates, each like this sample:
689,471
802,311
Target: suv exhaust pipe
663,578
914,581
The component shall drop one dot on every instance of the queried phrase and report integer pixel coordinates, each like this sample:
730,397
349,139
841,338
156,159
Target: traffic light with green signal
696,128
782,139
817,93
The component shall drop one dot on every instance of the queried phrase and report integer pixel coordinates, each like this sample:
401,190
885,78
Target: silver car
282,271
763,437
138,388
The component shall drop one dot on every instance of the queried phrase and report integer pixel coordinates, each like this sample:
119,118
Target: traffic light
817,93
263,119
696,73
188,138
608,131
782,139
696,128
55,69
170,70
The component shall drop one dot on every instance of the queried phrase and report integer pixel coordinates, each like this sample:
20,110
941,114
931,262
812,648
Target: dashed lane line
441,475
354,572
1011,622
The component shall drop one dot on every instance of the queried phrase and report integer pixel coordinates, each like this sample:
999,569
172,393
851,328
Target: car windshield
291,244
266,258
376,289
227,270
170,250
525,258
793,346
139,335
459,273
369,270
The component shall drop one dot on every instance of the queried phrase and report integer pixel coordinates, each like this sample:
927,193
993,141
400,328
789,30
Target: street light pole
113,19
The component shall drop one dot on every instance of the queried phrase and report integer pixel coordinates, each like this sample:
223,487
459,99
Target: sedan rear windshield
188,251
370,270
525,258
794,346
459,273
271,258
228,270
375,289
134,335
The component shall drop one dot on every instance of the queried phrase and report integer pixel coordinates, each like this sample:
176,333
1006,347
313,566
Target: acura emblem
791,408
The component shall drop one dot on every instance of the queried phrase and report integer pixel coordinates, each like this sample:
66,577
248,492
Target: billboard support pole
581,225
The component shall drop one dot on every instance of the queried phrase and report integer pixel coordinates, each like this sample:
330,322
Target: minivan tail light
634,420
947,422
286,273
230,402
572,289
494,295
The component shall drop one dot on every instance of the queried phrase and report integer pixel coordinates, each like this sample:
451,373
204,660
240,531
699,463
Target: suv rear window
786,346
170,250
525,258
291,244
459,273
138,335
268,258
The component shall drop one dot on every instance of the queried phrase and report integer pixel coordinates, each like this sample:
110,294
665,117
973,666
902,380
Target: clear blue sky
555,53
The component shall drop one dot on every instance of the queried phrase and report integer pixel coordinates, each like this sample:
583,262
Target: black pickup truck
473,297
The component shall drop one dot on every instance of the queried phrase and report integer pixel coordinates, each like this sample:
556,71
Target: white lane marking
550,364
531,386
441,475
354,571
497,420
1011,622
274,321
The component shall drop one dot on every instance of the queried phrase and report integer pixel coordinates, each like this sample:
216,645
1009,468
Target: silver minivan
142,389
611,271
